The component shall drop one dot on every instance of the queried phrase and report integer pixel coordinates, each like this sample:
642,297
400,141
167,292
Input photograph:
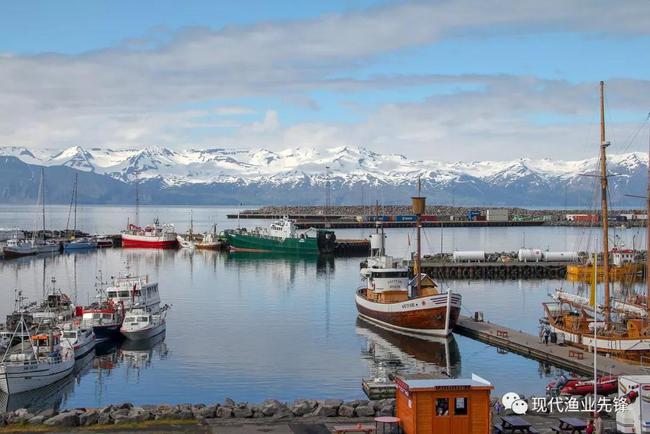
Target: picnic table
392,422
344,429
572,425
516,424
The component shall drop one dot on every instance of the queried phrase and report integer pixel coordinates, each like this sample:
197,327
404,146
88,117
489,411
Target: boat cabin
131,291
623,256
443,406
282,229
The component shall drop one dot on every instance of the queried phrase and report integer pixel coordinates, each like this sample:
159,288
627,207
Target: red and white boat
153,236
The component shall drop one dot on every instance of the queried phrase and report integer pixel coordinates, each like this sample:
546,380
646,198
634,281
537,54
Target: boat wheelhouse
130,291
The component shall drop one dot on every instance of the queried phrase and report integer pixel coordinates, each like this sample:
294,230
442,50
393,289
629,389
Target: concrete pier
495,270
562,356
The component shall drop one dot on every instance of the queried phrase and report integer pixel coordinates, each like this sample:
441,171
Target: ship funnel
418,204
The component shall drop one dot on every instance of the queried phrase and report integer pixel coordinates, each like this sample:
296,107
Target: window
442,407
107,316
112,294
460,409
124,293
143,319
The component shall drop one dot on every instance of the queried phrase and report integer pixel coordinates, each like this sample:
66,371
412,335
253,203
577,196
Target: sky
438,80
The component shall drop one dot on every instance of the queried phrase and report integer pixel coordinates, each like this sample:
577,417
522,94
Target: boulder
19,416
324,410
124,406
207,412
346,411
104,418
108,409
66,419
48,413
364,411
270,407
90,417
374,404
228,402
224,412
36,420
244,412
358,402
184,414
301,407
386,411
333,402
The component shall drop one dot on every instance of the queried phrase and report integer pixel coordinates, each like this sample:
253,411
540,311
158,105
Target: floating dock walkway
562,356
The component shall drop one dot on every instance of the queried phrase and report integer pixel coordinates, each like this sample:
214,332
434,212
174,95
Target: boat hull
48,248
139,241
80,246
10,252
16,378
634,349
145,333
423,315
81,350
241,242
106,332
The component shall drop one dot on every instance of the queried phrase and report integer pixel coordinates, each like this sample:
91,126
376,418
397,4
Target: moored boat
17,247
210,240
154,236
34,362
78,337
139,324
82,243
130,291
413,305
616,329
281,237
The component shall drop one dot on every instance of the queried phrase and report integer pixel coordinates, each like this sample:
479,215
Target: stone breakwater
271,409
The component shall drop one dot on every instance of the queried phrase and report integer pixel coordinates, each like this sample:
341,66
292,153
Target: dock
352,224
563,356
495,270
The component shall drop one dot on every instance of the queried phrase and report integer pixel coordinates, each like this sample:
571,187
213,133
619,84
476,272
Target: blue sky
448,80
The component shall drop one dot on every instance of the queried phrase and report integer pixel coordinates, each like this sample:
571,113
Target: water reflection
395,353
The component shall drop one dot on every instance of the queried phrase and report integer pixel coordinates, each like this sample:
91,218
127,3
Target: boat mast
418,205
76,186
647,248
43,197
603,195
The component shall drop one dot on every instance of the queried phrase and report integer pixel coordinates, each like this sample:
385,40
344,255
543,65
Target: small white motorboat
139,324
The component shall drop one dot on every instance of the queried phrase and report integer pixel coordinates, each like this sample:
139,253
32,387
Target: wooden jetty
562,356
494,270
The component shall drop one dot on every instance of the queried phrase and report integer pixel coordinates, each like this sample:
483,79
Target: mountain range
355,175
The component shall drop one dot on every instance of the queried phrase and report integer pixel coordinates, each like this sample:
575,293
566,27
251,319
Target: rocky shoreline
270,409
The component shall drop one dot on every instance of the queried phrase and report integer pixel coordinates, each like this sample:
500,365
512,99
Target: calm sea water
252,327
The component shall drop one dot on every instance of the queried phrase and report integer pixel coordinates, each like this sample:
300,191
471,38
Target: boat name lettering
407,305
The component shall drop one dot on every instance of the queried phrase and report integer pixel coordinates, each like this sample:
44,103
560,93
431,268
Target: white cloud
129,94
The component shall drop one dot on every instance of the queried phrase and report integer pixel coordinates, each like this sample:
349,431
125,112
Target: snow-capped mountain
301,174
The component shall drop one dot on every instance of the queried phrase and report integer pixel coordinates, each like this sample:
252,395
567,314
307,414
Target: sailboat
75,243
625,336
43,245
392,299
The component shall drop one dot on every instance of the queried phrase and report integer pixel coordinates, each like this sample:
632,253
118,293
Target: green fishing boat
281,237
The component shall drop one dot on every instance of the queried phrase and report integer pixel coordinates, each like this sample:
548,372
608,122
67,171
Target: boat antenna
603,196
